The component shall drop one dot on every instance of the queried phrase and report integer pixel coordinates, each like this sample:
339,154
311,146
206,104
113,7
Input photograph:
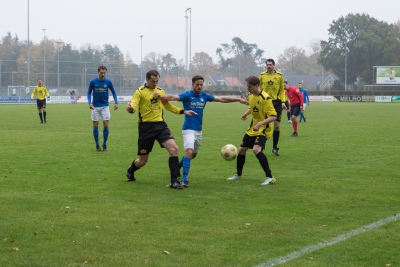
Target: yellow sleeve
135,99
174,109
282,89
46,92
33,93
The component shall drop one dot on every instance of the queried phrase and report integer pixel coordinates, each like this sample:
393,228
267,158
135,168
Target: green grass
64,204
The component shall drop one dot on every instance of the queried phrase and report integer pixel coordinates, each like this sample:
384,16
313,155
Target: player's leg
295,110
105,115
247,142
95,119
39,108
304,108
44,110
258,148
145,145
166,140
277,122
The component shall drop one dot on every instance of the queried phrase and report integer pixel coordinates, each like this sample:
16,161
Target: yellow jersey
150,107
261,107
41,92
272,84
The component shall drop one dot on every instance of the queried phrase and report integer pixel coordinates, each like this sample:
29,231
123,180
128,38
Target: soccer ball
229,152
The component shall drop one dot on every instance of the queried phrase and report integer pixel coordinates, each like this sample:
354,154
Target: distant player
263,114
271,82
195,100
296,104
99,87
304,92
41,94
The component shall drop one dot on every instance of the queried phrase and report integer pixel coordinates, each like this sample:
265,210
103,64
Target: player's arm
131,107
114,94
308,99
89,95
300,95
230,100
33,93
244,115
166,97
174,109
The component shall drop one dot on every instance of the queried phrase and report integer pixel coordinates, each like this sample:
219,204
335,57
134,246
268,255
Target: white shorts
304,106
192,139
101,112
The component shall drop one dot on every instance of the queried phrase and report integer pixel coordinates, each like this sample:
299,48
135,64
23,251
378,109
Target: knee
140,162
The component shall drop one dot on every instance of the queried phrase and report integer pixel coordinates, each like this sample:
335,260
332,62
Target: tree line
358,38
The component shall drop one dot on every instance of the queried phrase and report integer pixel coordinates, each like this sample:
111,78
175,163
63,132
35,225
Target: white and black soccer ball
229,152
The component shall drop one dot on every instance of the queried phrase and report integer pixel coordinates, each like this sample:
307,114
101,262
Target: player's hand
157,95
91,106
115,106
244,101
129,108
243,117
189,112
256,127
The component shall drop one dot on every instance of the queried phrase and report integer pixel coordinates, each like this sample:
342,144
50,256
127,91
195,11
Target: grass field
64,204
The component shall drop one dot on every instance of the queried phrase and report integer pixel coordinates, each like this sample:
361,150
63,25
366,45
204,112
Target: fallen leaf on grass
247,224
15,248
166,252
89,261
98,227
67,207
6,239
388,264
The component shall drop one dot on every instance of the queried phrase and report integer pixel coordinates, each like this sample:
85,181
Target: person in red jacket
296,104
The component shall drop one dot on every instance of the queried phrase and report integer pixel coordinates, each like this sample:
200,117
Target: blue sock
301,116
105,135
96,136
186,168
181,163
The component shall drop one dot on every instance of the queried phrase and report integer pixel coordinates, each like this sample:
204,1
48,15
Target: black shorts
278,108
295,110
250,141
150,132
41,103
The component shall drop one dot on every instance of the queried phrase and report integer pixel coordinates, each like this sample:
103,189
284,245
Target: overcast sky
272,25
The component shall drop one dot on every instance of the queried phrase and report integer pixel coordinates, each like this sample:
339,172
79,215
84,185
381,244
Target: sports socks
275,139
294,124
105,135
288,115
186,168
44,115
173,163
96,136
264,164
40,116
301,116
241,159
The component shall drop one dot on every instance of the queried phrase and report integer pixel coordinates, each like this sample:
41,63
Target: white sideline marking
299,253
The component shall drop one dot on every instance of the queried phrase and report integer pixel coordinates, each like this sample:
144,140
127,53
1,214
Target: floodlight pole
58,65
141,60
29,51
44,56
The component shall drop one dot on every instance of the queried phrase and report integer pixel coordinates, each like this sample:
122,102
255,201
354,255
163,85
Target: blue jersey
197,103
99,89
305,95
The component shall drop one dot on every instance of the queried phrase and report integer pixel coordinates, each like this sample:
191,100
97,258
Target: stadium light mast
58,64
186,49
345,68
141,60
29,52
44,56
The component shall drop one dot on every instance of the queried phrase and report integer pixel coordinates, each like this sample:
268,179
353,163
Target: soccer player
263,114
195,100
287,105
152,127
271,82
304,92
296,104
41,94
99,87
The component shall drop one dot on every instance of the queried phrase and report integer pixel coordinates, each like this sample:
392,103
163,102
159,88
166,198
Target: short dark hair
286,82
196,78
152,73
299,83
253,80
102,67
270,60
